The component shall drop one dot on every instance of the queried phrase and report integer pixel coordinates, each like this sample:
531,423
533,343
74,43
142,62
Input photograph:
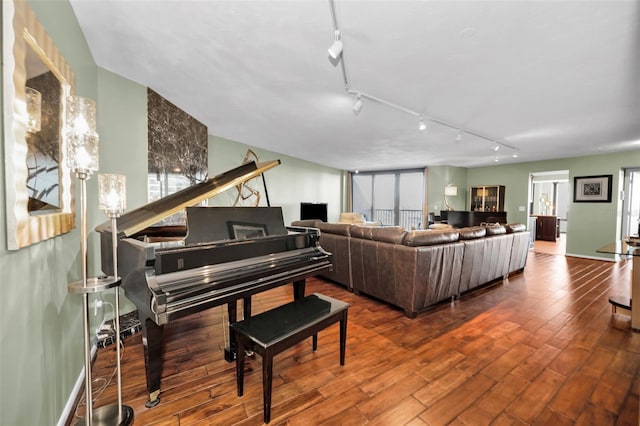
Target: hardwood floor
539,348
552,247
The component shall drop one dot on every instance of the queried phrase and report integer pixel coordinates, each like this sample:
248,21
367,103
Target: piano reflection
222,254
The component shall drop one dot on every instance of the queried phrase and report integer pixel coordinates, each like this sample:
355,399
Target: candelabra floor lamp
82,158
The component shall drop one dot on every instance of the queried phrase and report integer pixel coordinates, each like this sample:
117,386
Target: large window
390,197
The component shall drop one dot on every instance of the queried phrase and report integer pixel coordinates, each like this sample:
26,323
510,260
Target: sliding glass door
390,197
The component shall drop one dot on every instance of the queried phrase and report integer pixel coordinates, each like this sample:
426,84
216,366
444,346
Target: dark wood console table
462,219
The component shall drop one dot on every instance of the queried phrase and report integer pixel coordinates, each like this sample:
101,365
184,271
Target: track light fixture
496,147
515,154
459,135
357,105
422,126
336,48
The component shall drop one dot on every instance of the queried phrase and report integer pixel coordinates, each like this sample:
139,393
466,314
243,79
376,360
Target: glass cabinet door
486,198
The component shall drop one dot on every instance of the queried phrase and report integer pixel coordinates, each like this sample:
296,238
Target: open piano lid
149,214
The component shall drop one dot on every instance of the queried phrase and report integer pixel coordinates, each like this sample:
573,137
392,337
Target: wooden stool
271,332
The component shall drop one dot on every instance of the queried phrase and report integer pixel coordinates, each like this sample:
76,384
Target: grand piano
221,255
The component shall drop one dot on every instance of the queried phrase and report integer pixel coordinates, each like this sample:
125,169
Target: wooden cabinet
547,228
460,219
486,198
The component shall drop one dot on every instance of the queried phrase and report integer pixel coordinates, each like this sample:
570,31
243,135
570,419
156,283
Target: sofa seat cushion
427,237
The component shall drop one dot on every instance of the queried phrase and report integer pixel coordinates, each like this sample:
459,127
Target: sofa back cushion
472,232
495,230
515,227
307,223
386,234
427,237
334,228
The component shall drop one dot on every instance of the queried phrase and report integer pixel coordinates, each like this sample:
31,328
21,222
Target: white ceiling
549,78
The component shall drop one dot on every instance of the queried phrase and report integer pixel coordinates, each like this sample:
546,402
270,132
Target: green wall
41,344
438,177
289,184
589,225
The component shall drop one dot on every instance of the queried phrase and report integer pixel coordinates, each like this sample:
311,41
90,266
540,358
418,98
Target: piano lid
149,214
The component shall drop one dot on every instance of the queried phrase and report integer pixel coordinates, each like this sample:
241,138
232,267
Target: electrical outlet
520,208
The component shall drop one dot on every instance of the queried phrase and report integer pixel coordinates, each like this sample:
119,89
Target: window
390,197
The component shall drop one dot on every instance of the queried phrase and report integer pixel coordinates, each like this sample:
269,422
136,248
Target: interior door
631,203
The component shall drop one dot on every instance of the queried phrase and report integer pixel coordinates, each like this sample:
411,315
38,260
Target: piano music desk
273,331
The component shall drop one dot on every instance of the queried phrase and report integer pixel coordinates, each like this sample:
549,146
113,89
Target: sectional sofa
416,269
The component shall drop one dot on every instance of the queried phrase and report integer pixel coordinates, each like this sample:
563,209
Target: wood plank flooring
539,348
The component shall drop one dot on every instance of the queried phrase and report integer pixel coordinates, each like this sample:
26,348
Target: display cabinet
486,198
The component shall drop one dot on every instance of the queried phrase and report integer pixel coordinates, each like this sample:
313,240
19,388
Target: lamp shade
450,191
34,110
80,131
112,191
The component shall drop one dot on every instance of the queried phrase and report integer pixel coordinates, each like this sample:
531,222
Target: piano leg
152,343
298,289
230,352
246,308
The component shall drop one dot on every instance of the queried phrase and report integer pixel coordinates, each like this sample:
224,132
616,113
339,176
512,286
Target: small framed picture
245,231
592,189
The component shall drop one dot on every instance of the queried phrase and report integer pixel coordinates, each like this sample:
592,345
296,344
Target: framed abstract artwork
592,189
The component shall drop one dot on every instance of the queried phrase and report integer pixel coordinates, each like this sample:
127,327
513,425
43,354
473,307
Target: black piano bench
271,332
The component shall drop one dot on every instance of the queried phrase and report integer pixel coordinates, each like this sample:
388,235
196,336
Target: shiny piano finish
168,277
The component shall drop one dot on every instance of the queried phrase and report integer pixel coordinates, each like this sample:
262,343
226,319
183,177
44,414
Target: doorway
548,205
631,203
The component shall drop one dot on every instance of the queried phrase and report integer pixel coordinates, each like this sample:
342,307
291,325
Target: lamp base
107,415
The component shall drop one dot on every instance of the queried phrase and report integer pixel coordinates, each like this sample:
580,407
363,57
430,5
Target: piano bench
273,331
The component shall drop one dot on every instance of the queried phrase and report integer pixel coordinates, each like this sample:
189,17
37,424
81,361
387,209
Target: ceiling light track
337,53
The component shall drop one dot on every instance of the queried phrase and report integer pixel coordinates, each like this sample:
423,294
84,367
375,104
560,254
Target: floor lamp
449,191
82,158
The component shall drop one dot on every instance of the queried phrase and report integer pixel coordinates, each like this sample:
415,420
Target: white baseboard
69,408
606,259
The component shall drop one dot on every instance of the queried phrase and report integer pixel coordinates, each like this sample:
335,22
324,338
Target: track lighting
336,48
422,126
337,55
357,105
